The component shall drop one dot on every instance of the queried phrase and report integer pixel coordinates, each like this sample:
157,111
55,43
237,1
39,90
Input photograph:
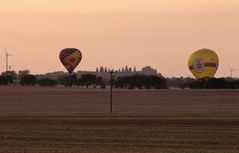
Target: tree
5,80
141,81
47,82
68,80
8,77
88,79
180,82
23,72
28,80
99,81
215,83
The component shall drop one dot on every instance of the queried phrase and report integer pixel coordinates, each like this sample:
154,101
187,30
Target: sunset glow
160,33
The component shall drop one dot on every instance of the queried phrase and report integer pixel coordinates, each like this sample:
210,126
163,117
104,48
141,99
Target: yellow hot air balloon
203,63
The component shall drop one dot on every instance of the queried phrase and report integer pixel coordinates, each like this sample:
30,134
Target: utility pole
7,55
111,89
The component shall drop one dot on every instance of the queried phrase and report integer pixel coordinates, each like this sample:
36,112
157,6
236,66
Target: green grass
111,134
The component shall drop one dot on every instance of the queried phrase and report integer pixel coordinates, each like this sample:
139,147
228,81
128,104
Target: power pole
111,90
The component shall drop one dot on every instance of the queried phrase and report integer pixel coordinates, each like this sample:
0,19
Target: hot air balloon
70,58
203,63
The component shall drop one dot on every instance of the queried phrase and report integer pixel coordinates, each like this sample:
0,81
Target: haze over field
113,33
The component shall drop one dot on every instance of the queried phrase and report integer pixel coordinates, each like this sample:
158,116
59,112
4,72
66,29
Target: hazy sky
115,33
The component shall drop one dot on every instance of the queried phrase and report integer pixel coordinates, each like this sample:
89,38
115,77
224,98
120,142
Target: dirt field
66,101
65,120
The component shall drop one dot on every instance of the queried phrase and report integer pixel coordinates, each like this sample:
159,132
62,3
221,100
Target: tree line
141,82
208,83
24,78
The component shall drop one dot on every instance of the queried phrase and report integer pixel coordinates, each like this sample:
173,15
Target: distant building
148,71
103,72
51,75
127,71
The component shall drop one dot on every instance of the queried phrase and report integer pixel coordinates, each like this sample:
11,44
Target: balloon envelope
70,58
203,63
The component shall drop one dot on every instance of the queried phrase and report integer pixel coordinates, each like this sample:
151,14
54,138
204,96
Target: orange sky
112,33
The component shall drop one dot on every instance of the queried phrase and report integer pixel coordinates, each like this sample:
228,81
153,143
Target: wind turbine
7,55
232,70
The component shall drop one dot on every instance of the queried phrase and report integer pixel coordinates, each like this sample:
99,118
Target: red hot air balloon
70,58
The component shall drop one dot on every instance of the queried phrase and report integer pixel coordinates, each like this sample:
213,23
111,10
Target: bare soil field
67,101
66,120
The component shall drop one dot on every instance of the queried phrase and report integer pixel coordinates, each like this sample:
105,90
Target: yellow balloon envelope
203,63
